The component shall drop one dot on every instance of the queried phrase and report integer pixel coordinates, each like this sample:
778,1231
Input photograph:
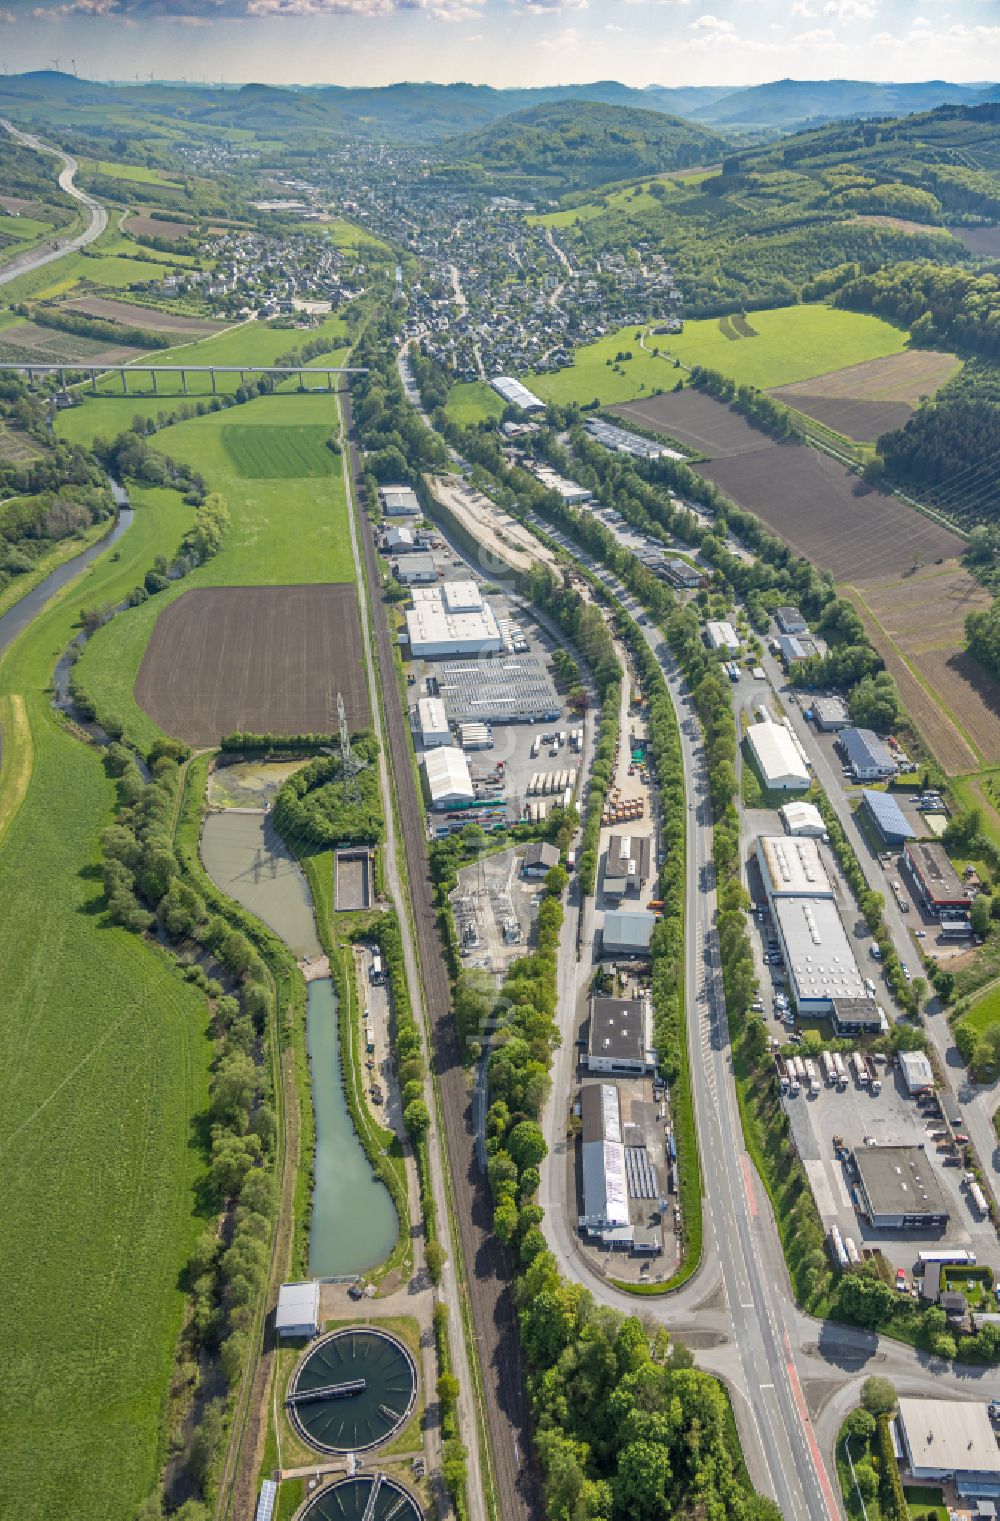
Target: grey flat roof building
899,1189
855,1016
791,621
867,755
951,1440
627,862
539,857
621,1036
502,689
627,932
830,713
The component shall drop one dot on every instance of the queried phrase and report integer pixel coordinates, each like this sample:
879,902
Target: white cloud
802,8
568,38
820,36
850,10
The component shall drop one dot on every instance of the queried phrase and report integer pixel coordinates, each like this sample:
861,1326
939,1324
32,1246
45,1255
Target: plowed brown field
267,659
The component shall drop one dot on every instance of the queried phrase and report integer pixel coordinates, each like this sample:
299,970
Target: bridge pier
124,384
184,382
212,373
329,381
93,381
156,389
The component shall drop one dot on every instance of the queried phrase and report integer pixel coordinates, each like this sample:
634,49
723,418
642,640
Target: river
354,1223
21,614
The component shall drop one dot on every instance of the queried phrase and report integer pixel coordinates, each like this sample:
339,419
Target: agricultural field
104,1055
471,402
786,344
865,400
27,342
697,422
284,531
983,241
136,174
279,454
16,446
131,314
279,655
157,227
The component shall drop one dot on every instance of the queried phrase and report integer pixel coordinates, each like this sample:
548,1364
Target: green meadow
103,1064
472,401
136,174
285,530
789,343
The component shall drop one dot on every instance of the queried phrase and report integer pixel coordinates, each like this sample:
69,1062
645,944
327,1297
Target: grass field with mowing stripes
271,454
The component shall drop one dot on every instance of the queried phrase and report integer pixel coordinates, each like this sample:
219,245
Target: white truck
841,1066
860,1069
829,1068
814,1083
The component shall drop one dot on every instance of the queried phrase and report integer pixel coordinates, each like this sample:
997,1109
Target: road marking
748,1183
826,1488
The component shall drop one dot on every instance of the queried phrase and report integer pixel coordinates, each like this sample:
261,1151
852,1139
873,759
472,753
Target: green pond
354,1222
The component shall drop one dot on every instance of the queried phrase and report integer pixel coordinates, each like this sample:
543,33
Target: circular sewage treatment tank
353,1390
349,1500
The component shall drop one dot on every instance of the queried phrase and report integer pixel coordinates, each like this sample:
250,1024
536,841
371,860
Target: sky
505,42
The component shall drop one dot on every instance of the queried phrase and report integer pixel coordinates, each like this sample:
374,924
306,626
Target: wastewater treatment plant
352,1391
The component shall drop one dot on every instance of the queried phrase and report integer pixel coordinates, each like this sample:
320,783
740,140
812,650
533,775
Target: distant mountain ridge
433,113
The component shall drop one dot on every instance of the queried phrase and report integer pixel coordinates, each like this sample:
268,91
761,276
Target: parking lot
890,1118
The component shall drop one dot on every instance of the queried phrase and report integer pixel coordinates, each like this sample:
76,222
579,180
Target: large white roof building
452,619
802,818
781,766
818,955
517,394
722,636
448,777
432,723
792,867
947,1440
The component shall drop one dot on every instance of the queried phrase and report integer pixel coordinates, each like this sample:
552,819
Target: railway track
487,1268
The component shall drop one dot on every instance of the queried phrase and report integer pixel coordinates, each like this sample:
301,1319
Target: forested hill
573,145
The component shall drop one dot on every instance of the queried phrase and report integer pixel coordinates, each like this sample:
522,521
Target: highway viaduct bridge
96,372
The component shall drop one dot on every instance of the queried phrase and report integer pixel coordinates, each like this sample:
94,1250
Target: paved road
488,1274
36,258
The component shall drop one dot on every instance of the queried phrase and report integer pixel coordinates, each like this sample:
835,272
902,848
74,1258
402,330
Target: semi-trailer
874,1078
841,1066
813,1076
853,1255
829,1068
859,1069
978,1199
837,1249
781,1067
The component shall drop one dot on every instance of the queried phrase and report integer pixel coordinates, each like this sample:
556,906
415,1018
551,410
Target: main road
35,258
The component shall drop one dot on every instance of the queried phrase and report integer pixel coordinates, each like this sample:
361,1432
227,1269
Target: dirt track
486,1264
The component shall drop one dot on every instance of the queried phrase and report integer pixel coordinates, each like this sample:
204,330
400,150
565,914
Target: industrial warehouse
509,689
620,1186
621,1036
818,955
778,756
451,619
898,1189
516,394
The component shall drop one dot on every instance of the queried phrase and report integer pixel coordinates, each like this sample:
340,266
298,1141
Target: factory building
621,441
722,636
516,394
887,819
627,933
802,819
626,865
791,621
510,689
898,1189
830,714
684,576
621,1037
777,757
415,569
938,884
952,1442
448,778
792,868
605,1187
399,502
451,619
794,648
818,955
857,1016
400,541
572,494
430,721
868,757
538,859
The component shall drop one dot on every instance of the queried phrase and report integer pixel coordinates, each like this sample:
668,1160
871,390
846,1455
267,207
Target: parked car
901,1280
